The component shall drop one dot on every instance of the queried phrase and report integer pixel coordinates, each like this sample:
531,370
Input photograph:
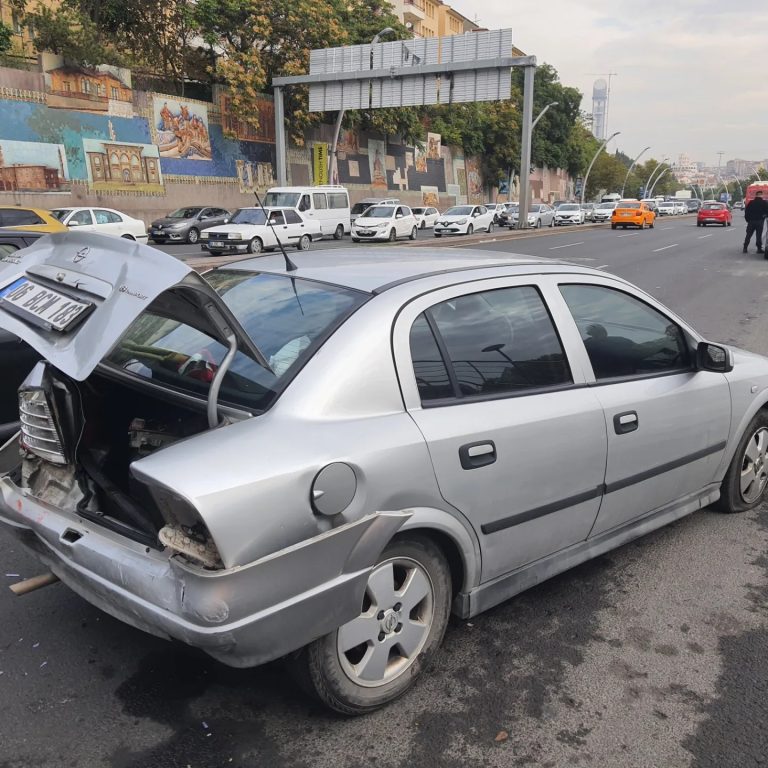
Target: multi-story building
744,168
432,18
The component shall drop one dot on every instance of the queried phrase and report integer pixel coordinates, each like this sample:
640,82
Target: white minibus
326,204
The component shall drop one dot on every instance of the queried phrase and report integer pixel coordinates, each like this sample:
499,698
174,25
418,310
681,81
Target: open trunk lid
72,295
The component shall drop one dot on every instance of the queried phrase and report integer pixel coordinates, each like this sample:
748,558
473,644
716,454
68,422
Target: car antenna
289,265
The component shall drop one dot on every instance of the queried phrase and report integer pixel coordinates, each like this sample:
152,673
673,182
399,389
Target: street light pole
658,178
332,159
586,177
541,114
634,162
648,183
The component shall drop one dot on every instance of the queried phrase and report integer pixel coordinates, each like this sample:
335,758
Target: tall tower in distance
599,108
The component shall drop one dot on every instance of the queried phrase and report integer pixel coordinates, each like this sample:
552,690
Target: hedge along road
654,655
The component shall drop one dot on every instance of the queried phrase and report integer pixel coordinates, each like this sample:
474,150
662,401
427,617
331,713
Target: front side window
81,217
497,343
623,335
287,318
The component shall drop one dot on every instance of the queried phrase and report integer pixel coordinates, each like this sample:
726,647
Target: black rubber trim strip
556,506
547,509
662,468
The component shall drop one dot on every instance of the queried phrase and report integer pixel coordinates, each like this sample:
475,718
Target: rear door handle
475,455
625,422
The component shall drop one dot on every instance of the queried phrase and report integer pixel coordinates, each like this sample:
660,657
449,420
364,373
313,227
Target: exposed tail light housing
39,432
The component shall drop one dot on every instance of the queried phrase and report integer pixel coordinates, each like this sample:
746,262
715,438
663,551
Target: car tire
413,234
538,223
334,674
698,223
304,244
339,232
392,235
423,225
730,223
734,497
642,224
490,228
256,245
552,224
652,224
193,236
355,239
470,230
613,226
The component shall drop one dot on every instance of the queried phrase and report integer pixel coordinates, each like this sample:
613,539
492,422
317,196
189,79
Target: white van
326,204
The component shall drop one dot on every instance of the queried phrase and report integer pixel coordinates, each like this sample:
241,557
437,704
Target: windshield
281,199
379,212
713,207
288,319
248,216
459,210
606,206
60,213
569,207
184,213
534,209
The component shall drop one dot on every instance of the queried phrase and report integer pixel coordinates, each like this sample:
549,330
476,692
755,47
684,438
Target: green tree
6,38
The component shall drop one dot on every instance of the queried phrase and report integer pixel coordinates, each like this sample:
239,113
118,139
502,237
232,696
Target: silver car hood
121,278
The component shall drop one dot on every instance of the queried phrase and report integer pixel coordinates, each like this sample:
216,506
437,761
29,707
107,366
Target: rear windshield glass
629,205
713,206
287,318
607,206
281,199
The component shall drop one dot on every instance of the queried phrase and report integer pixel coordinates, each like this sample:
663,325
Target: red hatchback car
714,213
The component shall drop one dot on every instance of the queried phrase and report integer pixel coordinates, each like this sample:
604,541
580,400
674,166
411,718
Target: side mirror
73,224
226,221
399,216
713,357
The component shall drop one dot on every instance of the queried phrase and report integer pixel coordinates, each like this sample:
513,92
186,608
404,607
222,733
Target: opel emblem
81,254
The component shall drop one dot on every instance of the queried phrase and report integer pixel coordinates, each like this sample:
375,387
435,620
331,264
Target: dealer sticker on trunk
42,306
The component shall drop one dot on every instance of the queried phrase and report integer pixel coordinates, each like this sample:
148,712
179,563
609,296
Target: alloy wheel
754,466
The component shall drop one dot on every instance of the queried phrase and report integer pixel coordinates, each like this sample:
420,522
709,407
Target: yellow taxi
632,213
31,219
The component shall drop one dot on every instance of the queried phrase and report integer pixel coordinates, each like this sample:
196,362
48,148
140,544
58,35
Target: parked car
464,220
632,213
184,225
385,222
324,463
539,215
249,231
507,213
666,208
651,202
496,209
363,205
589,211
426,217
714,213
603,211
569,213
681,207
103,220
327,204
29,219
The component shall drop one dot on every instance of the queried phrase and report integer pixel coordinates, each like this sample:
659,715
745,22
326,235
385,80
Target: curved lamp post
658,178
586,177
634,163
757,172
648,183
332,160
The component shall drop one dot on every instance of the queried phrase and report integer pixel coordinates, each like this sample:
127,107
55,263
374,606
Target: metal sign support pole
280,153
525,153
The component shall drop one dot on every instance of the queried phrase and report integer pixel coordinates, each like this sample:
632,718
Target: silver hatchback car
323,462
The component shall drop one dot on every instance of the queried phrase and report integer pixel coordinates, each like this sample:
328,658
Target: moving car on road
29,219
385,222
249,231
184,225
323,462
539,215
666,208
569,213
464,220
632,213
603,211
426,217
714,213
106,221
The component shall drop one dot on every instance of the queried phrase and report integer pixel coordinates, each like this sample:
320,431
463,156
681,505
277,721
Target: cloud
690,75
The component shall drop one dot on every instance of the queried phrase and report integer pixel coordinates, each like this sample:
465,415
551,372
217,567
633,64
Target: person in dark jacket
755,214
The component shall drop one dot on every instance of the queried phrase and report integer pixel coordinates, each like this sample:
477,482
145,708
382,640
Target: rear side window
623,335
318,198
496,343
338,200
16,217
106,217
431,374
7,248
292,217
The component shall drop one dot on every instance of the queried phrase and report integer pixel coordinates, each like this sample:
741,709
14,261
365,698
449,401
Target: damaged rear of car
149,372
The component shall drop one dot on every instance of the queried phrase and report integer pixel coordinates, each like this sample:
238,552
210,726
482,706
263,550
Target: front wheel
438,234
392,235
193,236
255,246
413,234
373,659
744,484
304,244
339,232
538,223
470,230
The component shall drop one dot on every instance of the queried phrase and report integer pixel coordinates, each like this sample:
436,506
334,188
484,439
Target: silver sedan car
323,460
539,215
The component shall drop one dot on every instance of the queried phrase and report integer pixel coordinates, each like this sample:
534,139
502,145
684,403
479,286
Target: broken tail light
39,432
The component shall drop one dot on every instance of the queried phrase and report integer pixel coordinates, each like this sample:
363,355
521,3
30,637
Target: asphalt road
655,655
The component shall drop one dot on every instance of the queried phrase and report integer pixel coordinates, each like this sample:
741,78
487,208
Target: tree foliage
6,38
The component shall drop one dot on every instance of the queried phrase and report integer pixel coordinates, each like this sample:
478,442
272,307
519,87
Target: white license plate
41,305
216,244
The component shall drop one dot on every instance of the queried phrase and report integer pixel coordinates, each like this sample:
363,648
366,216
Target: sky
691,75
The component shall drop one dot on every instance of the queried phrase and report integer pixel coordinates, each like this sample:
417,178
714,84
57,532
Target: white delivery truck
326,204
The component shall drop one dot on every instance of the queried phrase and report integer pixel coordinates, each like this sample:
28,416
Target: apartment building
433,18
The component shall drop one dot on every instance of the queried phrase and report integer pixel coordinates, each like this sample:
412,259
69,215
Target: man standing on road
755,214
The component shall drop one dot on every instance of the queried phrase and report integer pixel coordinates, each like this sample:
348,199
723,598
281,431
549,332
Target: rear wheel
730,223
490,228
373,659
744,484
255,246
193,236
339,233
304,244
613,226
413,234
642,224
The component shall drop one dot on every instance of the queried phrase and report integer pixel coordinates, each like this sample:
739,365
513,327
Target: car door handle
625,422
475,455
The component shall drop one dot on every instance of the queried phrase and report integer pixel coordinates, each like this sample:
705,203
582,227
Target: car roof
356,268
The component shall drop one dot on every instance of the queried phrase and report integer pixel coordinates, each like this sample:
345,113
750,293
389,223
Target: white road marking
665,248
567,245
631,234
701,237
663,228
